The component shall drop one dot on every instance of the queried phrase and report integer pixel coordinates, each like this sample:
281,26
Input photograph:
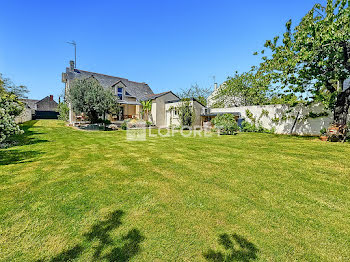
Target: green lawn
95,196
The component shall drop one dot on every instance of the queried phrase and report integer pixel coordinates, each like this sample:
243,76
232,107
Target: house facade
129,95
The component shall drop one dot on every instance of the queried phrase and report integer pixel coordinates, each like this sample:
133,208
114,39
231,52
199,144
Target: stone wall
25,116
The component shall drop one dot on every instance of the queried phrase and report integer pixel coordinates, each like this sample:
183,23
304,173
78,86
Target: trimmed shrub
248,127
124,125
226,124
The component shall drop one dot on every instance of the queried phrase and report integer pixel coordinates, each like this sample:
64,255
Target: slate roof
154,96
46,99
178,100
138,90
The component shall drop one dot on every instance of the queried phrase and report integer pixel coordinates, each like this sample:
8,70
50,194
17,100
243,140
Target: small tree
187,115
63,111
89,97
10,107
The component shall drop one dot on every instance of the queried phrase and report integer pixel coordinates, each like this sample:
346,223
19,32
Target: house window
120,93
176,112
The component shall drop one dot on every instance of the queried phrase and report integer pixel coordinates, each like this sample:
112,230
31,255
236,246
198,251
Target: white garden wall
309,126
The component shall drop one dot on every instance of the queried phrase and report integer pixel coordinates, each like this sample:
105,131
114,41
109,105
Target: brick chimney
71,65
51,97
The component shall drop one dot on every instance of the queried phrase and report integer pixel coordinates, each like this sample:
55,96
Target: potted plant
323,136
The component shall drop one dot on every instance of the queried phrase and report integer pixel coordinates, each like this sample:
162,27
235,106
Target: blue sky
168,44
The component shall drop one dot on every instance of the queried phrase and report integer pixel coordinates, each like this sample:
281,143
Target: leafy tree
244,89
63,111
6,85
195,91
10,107
187,114
312,60
89,97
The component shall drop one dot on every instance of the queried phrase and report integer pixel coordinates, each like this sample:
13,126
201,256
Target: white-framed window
176,112
119,92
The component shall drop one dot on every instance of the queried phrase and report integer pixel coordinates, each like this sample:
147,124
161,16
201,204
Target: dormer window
120,93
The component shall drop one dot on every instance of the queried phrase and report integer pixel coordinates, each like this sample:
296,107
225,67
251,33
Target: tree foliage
226,124
244,89
311,60
187,115
63,111
89,97
195,91
6,85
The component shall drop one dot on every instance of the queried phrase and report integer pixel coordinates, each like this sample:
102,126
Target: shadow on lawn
14,156
237,248
27,137
29,131
8,157
101,232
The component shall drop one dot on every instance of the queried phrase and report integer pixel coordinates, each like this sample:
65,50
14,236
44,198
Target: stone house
37,109
46,104
128,94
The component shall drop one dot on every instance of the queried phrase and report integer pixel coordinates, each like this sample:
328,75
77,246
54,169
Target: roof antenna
75,51
214,79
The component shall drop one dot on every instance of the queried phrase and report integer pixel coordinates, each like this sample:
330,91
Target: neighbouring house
47,104
45,108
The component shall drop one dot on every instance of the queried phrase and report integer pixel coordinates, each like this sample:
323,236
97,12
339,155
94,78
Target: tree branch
330,87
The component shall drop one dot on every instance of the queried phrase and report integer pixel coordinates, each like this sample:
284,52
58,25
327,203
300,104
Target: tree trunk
341,109
93,117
